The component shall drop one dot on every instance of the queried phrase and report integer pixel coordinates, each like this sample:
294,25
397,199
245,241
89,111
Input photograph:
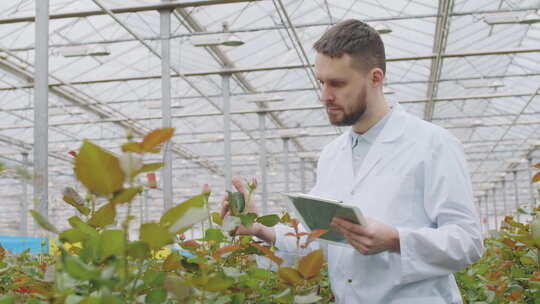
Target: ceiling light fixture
84,50
511,18
382,28
481,83
225,39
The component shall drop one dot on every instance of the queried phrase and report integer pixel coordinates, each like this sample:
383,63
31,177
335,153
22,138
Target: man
408,177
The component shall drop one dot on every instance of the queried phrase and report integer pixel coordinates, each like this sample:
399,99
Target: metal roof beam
283,67
442,29
125,10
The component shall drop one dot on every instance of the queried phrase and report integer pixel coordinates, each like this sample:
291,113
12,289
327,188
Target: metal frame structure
154,78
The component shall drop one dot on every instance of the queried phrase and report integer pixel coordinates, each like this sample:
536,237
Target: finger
224,210
337,222
225,206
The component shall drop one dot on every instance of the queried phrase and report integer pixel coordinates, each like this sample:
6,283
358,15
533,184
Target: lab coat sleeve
455,240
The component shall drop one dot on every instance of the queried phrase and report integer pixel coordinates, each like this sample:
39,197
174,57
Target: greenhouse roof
469,66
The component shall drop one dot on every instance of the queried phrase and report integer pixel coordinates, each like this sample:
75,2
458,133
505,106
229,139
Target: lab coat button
352,192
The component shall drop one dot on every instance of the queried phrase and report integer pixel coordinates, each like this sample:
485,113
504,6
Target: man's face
343,89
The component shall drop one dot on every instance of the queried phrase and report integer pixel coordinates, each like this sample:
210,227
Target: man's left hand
370,239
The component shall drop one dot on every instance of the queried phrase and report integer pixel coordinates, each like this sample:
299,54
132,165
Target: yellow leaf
310,265
43,222
135,147
289,275
185,214
126,195
155,138
104,216
98,169
537,166
155,235
172,262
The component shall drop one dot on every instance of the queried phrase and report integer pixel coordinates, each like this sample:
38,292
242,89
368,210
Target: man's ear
376,77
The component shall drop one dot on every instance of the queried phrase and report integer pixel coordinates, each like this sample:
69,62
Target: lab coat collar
381,151
393,129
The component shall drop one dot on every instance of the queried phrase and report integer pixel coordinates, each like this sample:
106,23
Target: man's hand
370,239
256,229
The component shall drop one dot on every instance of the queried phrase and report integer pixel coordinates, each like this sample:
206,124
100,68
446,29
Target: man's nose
326,95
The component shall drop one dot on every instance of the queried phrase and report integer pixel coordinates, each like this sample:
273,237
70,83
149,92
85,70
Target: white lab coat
415,179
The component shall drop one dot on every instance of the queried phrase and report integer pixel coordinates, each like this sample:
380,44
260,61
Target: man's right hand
265,233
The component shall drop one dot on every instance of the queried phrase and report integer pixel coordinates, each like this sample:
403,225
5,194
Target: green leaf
154,278
155,138
72,235
77,223
73,198
104,216
151,167
238,298
520,210
43,223
77,269
216,218
126,195
236,202
260,273
247,219
98,170
111,243
269,220
217,284
138,250
214,234
9,299
156,296
178,287
184,215
535,231
527,260
155,235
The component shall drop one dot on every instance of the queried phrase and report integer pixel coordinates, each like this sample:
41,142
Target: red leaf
269,254
536,177
226,249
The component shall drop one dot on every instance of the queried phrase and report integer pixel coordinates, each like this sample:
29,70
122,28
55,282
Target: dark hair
356,38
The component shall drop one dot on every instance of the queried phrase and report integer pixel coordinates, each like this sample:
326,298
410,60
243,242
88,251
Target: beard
348,117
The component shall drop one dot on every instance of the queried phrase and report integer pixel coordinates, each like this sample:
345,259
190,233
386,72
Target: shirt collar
371,134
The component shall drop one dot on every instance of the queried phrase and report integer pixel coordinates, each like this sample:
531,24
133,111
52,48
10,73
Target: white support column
23,230
41,104
531,186
516,195
146,207
165,28
505,207
262,161
303,174
486,203
225,87
286,162
495,208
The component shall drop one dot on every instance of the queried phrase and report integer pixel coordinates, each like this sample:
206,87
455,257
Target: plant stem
137,277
